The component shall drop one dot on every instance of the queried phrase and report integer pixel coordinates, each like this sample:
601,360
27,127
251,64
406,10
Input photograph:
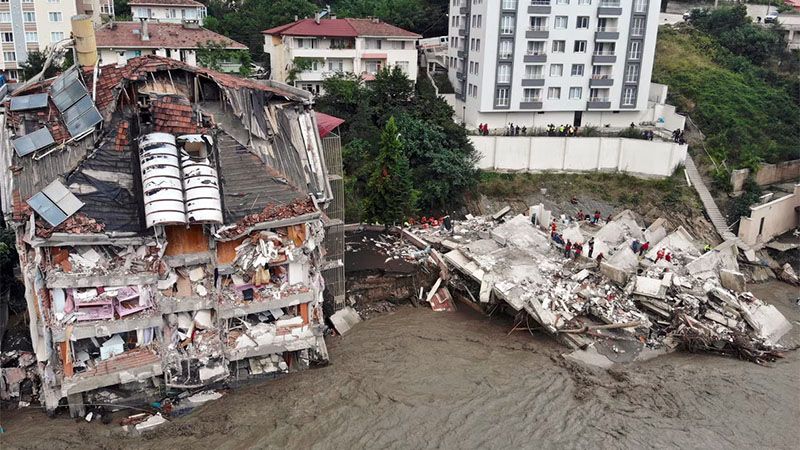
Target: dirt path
418,379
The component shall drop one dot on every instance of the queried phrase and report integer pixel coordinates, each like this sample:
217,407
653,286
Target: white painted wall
544,153
779,216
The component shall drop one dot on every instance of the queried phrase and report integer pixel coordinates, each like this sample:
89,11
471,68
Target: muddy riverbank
418,379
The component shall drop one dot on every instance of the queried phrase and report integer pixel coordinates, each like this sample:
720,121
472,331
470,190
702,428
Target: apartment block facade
330,45
31,25
169,11
534,62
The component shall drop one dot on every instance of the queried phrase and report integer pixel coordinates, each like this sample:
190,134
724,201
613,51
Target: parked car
772,17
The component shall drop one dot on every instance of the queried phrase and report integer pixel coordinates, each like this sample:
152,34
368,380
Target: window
373,66
533,72
632,73
375,44
472,44
5,17
403,65
575,93
538,23
507,25
171,13
506,49
55,16
640,5
582,22
509,4
637,26
31,36
48,1
474,20
579,47
577,70
56,36
554,93
531,95
471,67
562,2
584,2
504,74
629,96
335,65
502,97
479,20
477,45
635,51
398,45
29,17
558,46
556,70
8,37
9,56
535,47
560,23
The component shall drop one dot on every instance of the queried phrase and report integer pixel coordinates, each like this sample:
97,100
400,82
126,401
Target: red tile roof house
331,45
120,41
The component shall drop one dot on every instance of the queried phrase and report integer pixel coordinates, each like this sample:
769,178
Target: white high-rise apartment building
29,25
535,62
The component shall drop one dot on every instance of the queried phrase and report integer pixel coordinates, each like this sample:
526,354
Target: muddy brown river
418,379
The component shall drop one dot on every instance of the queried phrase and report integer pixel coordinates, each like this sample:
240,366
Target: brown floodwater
418,379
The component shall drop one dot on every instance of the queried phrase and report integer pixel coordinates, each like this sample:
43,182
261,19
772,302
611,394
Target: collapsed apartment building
626,306
171,227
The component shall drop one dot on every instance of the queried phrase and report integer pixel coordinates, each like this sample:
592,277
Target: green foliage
245,20
391,196
735,31
34,65
421,16
631,133
122,9
8,256
750,196
299,65
748,113
443,83
440,156
213,54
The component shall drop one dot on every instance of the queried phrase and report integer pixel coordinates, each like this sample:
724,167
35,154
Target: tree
391,195
35,63
213,54
390,90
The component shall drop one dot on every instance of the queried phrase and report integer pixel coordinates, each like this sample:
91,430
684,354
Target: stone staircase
717,219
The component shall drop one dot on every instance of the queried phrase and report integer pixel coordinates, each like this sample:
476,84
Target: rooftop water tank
161,180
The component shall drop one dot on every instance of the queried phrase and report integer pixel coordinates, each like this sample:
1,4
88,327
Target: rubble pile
690,299
19,379
103,260
271,212
76,224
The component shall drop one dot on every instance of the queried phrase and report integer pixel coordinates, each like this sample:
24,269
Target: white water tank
161,180
200,181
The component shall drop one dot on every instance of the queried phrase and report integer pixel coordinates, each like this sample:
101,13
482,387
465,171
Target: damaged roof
161,35
342,28
268,151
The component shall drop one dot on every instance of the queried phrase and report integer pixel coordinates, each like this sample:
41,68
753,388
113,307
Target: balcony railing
607,29
609,3
535,52
604,53
537,28
599,99
601,76
509,4
504,55
533,76
540,2
531,99
637,32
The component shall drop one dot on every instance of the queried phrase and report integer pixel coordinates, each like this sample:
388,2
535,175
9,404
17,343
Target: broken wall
771,219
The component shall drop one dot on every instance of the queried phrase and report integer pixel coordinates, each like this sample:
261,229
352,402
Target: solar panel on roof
69,95
86,120
31,142
47,209
24,102
63,80
77,109
55,203
62,197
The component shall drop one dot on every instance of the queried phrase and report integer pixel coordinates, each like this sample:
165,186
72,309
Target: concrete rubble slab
345,319
732,280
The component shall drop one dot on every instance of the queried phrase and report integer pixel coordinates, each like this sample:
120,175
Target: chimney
144,34
296,18
333,16
316,18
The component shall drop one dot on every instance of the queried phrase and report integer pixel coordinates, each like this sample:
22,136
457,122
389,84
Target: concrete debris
732,280
645,301
345,319
788,275
151,422
499,214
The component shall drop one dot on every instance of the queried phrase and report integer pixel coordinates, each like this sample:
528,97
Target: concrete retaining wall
771,219
582,154
767,174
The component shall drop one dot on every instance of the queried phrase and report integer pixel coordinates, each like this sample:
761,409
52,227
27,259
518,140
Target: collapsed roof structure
170,223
